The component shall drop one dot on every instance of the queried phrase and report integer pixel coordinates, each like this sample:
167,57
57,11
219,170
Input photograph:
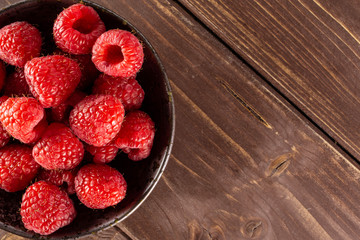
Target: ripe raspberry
52,79
97,119
17,167
104,154
77,28
58,148
128,90
136,135
3,99
118,53
89,72
4,135
61,178
23,118
61,113
99,186
45,208
19,43
2,74
137,154
16,84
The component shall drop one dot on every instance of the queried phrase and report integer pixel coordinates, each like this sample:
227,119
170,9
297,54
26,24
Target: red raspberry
118,53
77,28
4,135
89,72
58,148
45,208
58,113
52,79
137,154
104,154
99,186
19,43
97,119
23,118
128,90
16,84
3,99
61,113
17,167
60,178
136,135
2,74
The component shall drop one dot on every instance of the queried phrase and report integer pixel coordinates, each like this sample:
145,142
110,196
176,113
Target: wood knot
253,229
279,165
200,232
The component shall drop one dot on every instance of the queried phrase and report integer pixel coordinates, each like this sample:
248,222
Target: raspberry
118,53
19,43
45,208
60,178
128,90
3,99
89,72
58,148
17,167
77,28
61,113
23,118
52,79
16,84
137,154
104,154
4,135
136,135
58,113
99,186
97,119
2,74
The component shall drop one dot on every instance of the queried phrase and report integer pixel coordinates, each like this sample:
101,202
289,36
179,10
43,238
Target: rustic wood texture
308,49
245,163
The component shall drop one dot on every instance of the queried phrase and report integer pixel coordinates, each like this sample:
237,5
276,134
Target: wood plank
308,49
228,177
245,164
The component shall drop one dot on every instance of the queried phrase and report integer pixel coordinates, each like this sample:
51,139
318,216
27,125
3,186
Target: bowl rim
167,153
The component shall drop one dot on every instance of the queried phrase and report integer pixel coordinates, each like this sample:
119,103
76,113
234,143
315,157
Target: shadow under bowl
141,176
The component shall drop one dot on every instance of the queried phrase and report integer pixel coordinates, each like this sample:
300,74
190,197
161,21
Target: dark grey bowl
141,176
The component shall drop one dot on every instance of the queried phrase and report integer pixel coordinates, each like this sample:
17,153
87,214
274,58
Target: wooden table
267,97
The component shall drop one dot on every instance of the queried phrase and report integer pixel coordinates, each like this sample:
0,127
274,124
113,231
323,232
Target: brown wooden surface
245,164
308,49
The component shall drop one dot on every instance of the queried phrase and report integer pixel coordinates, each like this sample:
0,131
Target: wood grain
217,183
245,163
308,49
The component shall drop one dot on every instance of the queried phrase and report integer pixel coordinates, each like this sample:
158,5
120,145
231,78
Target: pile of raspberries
49,117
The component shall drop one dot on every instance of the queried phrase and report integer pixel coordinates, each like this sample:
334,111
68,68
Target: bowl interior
141,176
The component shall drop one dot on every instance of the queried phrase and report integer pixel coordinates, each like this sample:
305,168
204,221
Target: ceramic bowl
141,176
